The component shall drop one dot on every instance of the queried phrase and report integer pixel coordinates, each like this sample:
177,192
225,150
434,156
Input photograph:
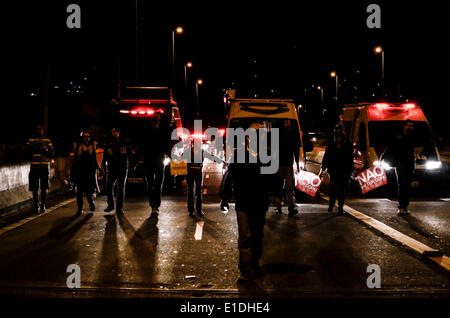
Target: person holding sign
400,154
338,163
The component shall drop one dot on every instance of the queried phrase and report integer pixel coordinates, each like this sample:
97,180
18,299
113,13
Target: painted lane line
199,230
445,199
34,217
417,246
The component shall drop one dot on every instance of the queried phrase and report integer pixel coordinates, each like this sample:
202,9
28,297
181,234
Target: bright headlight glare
166,161
430,165
385,165
376,163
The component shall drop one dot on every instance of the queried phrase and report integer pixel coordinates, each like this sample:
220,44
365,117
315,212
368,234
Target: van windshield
381,133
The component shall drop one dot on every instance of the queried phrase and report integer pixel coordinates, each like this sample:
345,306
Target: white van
271,112
371,127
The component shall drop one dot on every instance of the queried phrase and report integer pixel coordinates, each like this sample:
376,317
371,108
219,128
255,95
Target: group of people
244,181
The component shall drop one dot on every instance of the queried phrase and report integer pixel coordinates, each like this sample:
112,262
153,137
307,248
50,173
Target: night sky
288,45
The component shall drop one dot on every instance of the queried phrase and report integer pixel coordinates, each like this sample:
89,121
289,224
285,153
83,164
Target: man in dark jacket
289,151
40,150
155,150
251,192
400,154
338,163
116,158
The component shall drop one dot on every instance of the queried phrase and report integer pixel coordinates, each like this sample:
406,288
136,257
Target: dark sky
294,43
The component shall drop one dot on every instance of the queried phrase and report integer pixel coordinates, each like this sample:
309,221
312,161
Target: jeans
84,187
404,187
337,187
250,242
195,175
113,177
154,177
287,173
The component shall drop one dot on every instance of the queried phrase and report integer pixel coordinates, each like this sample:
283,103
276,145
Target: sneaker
120,211
224,207
279,210
109,208
341,212
80,212
42,209
191,214
200,213
401,211
293,212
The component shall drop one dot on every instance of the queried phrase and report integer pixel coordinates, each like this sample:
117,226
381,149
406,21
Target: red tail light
221,132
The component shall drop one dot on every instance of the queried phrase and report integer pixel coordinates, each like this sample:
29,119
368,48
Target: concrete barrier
14,192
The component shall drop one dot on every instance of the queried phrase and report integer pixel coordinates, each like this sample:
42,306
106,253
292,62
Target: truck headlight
166,161
432,165
383,164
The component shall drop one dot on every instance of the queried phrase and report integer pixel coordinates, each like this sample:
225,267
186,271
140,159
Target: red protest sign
372,178
307,182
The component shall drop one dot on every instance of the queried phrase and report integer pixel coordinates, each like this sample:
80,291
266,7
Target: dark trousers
113,177
195,175
337,189
154,177
404,186
83,186
250,242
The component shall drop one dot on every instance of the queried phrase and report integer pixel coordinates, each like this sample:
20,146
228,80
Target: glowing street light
177,30
197,83
379,50
334,74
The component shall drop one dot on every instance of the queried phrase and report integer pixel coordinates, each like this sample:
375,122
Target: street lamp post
379,50
199,82
321,96
178,30
334,74
186,66
185,99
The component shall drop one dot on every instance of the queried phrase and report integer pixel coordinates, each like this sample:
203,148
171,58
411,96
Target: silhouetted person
400,155
84,170
195,176
155,149
116,160
40,150
338,163
251,191
289,151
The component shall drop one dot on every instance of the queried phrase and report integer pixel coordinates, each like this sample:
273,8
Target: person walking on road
289,151
338,163
84,170
400,155
116,159
40,150
251,190
156,149
195,175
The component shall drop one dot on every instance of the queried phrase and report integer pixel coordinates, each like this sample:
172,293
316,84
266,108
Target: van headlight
383,164
166,161
432,165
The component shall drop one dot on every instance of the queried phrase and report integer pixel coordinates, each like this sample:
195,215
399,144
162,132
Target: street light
177,30
197,83
379,50
186,66
321,95
334,74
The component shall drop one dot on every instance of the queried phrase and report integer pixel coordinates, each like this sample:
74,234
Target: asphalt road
314,254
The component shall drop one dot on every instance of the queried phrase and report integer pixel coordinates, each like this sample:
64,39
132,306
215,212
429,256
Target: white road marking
417,246
445,199
199,230
34,217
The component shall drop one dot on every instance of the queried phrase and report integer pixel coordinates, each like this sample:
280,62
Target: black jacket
117,155
400,153
156,144
338,161
250,188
